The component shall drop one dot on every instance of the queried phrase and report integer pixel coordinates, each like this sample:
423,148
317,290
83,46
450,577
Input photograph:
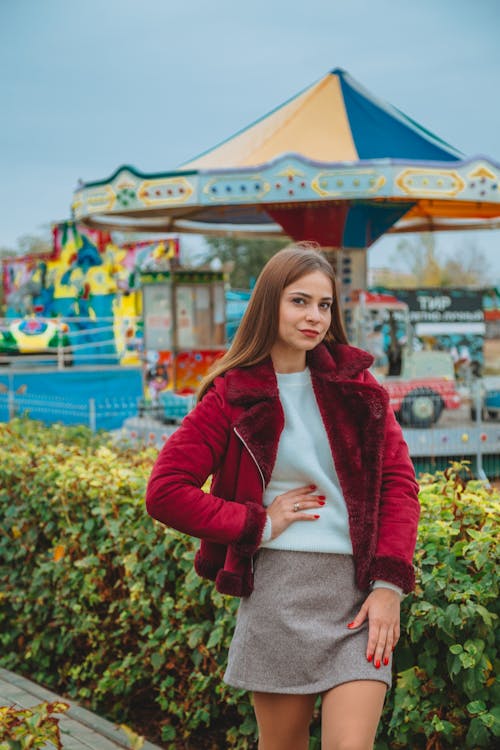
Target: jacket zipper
258,468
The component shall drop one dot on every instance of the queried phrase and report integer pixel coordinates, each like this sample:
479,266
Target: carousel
333,164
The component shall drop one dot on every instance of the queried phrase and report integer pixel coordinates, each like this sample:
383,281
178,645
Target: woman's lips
309,333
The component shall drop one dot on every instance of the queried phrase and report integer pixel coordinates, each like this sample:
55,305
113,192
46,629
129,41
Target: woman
312,513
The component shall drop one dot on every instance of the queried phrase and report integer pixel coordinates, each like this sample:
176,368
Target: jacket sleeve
174,495
399,511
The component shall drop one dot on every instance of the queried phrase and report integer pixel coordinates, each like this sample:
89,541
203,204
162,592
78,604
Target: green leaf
157,660
248,726
215,637
168,733
195,637
478,734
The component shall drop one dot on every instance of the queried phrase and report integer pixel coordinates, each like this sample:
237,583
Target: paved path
80,729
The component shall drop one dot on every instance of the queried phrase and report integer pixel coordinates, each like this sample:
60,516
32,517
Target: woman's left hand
382,608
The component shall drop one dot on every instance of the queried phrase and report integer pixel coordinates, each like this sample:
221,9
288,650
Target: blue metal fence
100,398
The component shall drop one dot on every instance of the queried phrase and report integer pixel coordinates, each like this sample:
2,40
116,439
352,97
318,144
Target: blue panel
64,396
366,222
383,217
380,131
355,228
236,304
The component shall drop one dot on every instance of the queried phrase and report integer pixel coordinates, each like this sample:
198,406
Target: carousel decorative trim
236,188
347,182
165,191
292,180
99,200
438,183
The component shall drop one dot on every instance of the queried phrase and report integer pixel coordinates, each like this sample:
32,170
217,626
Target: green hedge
101,604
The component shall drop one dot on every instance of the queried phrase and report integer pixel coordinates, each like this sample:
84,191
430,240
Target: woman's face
305,314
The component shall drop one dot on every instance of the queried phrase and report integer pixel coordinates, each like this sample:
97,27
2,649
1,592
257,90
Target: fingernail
321,502
377,664
312,486
386,661
316,516
369,658
321,497
351,625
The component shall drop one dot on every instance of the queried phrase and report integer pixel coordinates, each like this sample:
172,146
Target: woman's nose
313,313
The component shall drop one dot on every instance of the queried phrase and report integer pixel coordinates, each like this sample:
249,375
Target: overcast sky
88,86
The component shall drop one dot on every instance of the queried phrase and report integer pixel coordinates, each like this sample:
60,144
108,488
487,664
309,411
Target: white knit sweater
304,457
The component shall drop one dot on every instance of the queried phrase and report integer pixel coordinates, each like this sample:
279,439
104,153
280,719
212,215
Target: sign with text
444,310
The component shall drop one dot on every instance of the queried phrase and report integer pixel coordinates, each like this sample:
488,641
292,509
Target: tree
29,244
426,268
469,267
246,256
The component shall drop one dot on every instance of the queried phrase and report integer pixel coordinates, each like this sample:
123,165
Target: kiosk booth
184,333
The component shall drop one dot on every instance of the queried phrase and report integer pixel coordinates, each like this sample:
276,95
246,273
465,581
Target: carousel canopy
334,120
333,164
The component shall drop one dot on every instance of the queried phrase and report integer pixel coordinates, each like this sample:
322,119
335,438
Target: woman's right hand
290,506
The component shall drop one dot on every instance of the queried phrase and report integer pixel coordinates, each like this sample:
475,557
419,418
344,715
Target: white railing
80,341
467,433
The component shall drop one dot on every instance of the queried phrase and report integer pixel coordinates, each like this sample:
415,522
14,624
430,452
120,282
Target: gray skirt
291,633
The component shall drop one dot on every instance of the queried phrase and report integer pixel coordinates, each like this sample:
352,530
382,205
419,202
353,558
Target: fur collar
333,362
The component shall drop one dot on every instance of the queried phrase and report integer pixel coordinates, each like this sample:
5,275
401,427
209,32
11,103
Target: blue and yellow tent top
333,120
333,164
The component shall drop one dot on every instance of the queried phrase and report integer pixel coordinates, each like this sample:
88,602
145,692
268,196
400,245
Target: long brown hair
258,329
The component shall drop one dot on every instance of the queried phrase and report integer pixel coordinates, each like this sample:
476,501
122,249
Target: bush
27,728
447,695
102,604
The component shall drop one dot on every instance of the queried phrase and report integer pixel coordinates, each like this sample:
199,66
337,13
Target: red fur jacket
233,434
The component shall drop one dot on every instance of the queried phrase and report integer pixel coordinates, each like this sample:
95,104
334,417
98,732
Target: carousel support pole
350,266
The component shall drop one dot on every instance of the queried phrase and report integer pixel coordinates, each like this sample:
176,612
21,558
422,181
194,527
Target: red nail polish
377,664
316,516
369,658
312,486
321,502
321,497
386,661
351,625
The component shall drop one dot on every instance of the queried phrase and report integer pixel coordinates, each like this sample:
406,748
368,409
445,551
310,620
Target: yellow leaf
59,552
58,707
136,741
16,532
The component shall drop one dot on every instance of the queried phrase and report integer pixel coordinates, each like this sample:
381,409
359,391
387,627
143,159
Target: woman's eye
297,300
325,305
